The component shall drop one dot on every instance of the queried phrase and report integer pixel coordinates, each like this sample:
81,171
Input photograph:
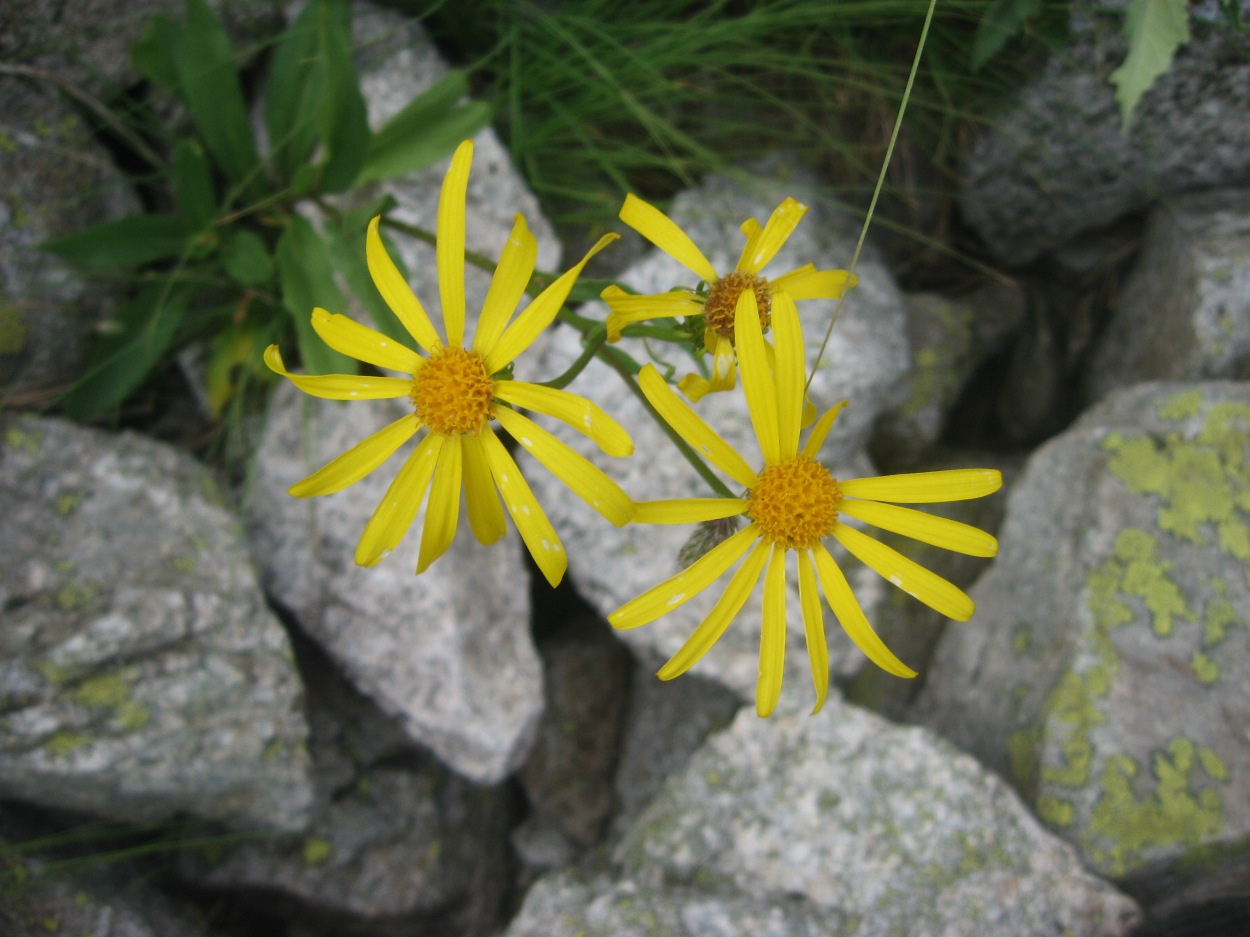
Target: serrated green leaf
208,81
127,356
1155,29
343,121
193,185
304,272
127,242
245,258
429,128
293,94
153,56
1002,21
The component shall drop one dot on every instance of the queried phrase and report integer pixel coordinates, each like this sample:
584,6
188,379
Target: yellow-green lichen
1022,756
1124,827
113,692
75,595
13,330
28,442
67,503
1205,669
1055,811
1021,640
1181,406
317,850
65,743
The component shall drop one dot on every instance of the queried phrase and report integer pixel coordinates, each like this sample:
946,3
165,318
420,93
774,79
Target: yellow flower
455,394
718,306
793,504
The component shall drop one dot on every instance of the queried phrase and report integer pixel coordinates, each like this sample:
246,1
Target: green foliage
229,260
1155,29
1002,21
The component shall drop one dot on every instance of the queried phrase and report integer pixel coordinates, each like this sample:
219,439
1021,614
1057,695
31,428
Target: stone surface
1185,310
54,180
448,652
141,673
1054,162
842,824
1107,673
865,363
395,837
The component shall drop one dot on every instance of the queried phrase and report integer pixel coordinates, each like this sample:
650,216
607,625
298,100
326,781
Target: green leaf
209,84
304,272
233,349
1002,21
426,130
1154,29
127,242
347,245
153,54
193,184
343,122
126,357
293,94
245,258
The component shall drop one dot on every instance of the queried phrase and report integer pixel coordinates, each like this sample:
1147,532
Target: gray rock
1055,161
864,363
839,824
1107,672
395,836
54,180
448,652
143,674
1185,310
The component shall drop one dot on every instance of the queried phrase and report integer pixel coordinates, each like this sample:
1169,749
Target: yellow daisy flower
721,300
455,393
793,504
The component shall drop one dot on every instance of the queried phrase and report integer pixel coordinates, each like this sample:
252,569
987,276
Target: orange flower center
452,392
722,301
795,503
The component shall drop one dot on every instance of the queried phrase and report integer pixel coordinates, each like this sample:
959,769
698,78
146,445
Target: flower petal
927,528
531,522
816,438
586,479
846,607
507,286
695,387
363,343
757,381
763,245
677,590
814,628
443,511
724,363
394,513
928,587
358,461
809,283
486,517
577,412
449,246
926,487
664,233
772,636
535,317
339,386
690,427
791,373
687,510
627,308
395,290
721,616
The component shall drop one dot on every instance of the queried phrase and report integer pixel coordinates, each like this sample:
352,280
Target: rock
799,825
54,180
1185,311
395,837
448,652
143,674
1055,161
865,362
1107,672
948,338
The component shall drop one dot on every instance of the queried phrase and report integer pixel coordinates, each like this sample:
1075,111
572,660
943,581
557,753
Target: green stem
593,342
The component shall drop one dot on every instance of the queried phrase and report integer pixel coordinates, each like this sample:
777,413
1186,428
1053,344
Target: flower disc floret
795,503
722,301
452,392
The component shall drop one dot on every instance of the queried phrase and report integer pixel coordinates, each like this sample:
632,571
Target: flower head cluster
793,504
457,393
719,304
